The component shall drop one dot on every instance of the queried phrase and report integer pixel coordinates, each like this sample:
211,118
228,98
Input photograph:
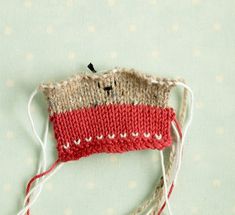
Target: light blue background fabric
52,40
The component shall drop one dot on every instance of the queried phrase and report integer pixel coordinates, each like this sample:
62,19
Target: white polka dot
196,157
71,55
132,184
220,130
10,83
199,104
155,54
33,108
49,186
10,135
28,3
90,185
91,28
29,56
132,28
113,55
110,211
178,78
194,210
175,27
7,187
68,211
8,30
29,161
216,26
233,210
155,157
50,29
196,52
152,2
113,158
196,2
70,3
111,3
216,183
219,78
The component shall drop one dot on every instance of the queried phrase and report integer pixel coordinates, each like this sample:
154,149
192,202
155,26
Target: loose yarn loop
42,161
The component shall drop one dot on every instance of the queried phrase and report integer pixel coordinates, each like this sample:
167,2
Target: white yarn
33,127
178,146
165,184
42,161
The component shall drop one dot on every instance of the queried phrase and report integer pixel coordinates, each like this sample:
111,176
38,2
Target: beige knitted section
115,86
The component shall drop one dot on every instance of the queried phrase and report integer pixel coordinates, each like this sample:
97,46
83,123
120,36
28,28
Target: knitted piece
113,112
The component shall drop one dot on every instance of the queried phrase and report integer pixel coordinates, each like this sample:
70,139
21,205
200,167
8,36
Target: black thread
91,67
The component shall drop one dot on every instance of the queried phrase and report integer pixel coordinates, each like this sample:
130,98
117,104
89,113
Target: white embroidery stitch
88,139
66,146
123,135
77,142
147,134
111,136
135,134
99,137
158,137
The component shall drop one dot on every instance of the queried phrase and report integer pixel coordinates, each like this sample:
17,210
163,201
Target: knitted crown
116,111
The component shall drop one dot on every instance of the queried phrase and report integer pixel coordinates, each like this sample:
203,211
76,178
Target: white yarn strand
38,191
184,133
165,184
178,146
42,161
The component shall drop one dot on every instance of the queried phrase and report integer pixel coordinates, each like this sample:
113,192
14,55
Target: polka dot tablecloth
51,40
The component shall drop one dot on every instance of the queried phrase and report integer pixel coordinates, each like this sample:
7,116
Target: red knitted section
113,128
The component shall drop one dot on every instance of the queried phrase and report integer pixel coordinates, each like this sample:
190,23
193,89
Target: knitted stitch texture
112,112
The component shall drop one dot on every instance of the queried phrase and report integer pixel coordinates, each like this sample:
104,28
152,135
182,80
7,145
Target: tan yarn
127,86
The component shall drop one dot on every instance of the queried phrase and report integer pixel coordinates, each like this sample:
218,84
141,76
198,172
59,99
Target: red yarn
164,204
172,185
178,127
78,131
36,177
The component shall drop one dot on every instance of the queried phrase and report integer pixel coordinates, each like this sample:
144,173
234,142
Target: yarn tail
164,204
32,180
172,185
178,127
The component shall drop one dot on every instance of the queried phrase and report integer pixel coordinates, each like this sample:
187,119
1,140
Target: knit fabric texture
115,111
